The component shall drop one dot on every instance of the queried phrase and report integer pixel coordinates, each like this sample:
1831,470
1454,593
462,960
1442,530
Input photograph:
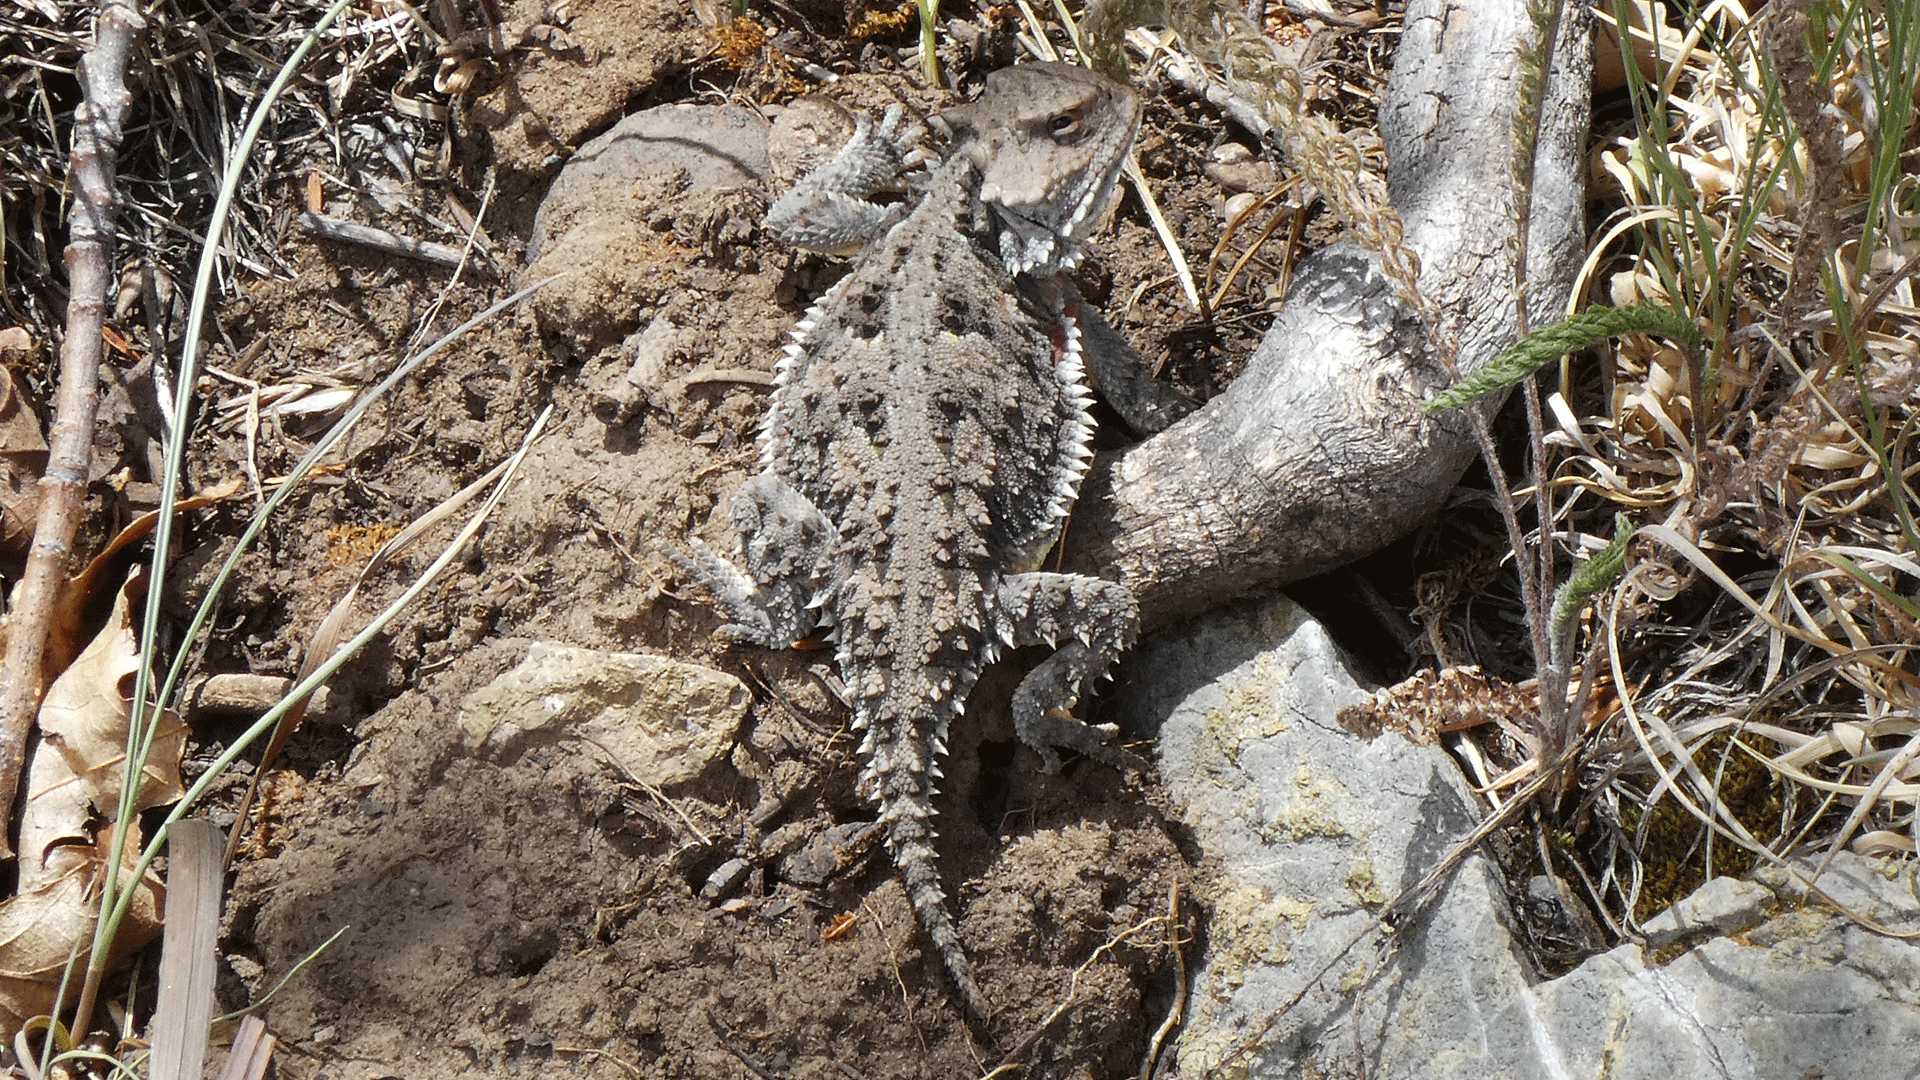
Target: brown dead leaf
71,619
23,457
73,794
39,929
76,772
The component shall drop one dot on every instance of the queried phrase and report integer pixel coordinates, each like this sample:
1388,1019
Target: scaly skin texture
926,438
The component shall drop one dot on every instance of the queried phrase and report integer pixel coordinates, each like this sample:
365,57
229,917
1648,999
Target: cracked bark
1317,455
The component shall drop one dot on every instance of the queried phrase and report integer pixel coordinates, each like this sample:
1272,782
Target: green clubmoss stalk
1588,579
1524,357
929,54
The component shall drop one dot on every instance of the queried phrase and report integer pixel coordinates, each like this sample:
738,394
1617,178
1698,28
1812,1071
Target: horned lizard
927,436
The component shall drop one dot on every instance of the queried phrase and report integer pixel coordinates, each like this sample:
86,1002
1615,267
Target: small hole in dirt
995,785
699,870
860,811
525,963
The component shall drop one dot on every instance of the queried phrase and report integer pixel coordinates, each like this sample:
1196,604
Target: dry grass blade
252,1052
1164,230
1895,768
1768,165
1706,566
184,1009
327,637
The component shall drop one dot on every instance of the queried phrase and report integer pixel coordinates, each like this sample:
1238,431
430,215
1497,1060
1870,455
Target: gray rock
1315,829
659,720
715,146
1721,906
1807,993
630,214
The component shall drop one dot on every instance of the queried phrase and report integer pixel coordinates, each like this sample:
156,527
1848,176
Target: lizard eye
1064,126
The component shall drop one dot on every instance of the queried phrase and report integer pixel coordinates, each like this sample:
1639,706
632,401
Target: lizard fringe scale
926,438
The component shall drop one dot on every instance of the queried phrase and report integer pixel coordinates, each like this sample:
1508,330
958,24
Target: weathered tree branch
1318,455
97,124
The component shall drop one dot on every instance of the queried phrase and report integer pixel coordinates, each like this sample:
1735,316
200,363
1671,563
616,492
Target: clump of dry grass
1771,615
200,71
1744,685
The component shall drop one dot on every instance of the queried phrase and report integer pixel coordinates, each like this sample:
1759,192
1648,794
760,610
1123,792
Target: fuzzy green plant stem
929,52
1588,579
1520,360
1517,364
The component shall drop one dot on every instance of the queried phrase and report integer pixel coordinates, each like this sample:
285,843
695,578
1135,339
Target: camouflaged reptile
927,436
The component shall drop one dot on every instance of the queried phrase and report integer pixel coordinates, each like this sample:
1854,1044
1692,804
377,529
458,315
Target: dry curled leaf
23,457
76,773
74,785
40,927
1881,843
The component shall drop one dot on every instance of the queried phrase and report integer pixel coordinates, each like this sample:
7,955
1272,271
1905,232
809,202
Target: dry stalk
251,1052
1025,1046
1177,1012
97,128
1219,32
1801,97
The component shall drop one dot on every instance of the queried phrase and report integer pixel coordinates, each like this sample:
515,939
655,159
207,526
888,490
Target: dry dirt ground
543,915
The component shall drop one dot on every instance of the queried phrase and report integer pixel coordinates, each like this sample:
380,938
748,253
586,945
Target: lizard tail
906,809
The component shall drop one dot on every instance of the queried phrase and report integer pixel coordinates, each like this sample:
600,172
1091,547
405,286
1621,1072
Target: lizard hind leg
784,540
1098,620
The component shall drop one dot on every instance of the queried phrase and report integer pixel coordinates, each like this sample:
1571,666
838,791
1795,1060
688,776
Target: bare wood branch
96,138
333,228
1318,454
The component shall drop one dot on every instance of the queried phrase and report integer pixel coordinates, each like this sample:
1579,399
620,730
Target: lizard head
1048,142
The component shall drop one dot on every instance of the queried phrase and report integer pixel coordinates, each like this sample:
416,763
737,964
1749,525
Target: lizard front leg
784,540
1098,620
827,210
1119,372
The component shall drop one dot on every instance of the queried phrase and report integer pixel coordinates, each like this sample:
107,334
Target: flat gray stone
1721,906
660,721
715,146
1315,829
627,219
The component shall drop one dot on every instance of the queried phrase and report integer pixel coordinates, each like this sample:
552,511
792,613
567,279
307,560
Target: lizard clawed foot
1058,727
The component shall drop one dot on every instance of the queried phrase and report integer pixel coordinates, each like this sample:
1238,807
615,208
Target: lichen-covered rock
1315,829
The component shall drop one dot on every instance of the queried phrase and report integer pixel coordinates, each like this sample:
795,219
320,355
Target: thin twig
97,125
1026,1045
391,243
725,1035
1178,1011
587,1051
900,980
